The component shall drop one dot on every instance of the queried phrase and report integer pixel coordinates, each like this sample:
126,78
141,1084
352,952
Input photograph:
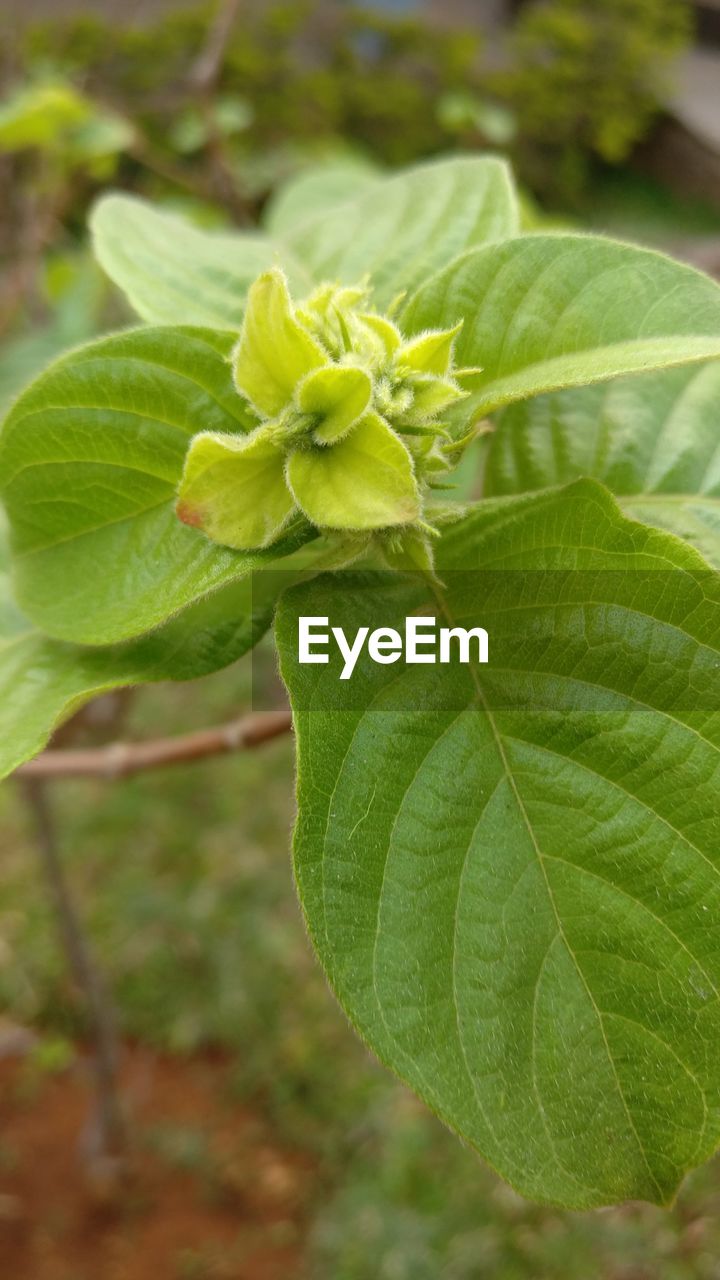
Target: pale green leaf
274,351
410,224
544,312
233,489
174,273
90,459
42,115
431,352
315,190
337,395
511,873
365,481
654,441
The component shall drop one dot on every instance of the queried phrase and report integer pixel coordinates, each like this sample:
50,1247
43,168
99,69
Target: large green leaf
654,441
404,227
43,681
175,273
544,312
90,459
394,230
511,873
317,189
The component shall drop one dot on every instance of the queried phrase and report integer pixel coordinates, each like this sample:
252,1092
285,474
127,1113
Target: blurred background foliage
183,877
213,120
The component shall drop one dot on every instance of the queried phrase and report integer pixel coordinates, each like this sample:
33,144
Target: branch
208,65
106,1137
121,759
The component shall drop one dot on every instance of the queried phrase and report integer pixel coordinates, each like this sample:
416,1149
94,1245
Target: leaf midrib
480,695
540,377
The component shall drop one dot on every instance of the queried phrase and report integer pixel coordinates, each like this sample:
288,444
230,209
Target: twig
208,65
203,81
108,1129
121,759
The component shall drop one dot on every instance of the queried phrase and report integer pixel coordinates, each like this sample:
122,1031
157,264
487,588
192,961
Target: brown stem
109,1128
208,64
203,81
120,759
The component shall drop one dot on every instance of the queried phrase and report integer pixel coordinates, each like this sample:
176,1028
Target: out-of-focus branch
206,69
106,1134
203,81
121,759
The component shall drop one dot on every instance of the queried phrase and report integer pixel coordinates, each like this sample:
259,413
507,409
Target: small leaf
365,481
233,489
274,351
548,311
432,395
411,549
339,395
384,329
431,352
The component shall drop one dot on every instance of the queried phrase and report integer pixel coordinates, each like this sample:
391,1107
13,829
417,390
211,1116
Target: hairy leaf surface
654,441
544,312
511,873
90,459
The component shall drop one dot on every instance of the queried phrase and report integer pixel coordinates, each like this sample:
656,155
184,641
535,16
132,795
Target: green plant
509,871
53,118
587,80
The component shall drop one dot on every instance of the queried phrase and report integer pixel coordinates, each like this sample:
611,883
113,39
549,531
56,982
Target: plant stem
109,1135
121,759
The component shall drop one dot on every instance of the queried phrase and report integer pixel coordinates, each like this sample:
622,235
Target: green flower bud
349,429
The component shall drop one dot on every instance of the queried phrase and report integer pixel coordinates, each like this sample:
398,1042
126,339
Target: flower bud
349,430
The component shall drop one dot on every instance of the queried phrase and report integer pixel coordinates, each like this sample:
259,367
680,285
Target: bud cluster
350,429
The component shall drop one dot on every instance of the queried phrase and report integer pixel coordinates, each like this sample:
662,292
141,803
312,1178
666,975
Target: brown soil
206,1195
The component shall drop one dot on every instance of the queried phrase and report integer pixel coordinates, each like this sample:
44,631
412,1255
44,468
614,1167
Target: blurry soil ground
208,1193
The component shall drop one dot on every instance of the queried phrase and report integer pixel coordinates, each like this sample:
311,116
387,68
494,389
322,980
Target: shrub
587,80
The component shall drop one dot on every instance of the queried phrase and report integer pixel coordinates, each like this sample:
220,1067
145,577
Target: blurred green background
268,1143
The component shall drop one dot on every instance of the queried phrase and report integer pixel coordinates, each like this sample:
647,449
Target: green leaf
233,488
90,459
410,224
75,316
337,395
43,681
652,440
174,273
41,115
397,230
274,351
544,312
432,352
364,481
511,873
316,190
